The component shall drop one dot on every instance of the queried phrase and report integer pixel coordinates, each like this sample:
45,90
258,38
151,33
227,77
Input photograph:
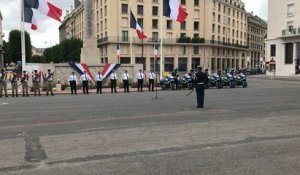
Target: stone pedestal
58,87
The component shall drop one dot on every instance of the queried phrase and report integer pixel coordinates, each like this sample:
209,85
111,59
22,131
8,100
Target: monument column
90,54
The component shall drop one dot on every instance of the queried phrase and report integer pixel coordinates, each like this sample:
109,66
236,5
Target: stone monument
90,54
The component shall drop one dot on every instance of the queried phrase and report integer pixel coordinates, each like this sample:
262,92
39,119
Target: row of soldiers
85,79
36,79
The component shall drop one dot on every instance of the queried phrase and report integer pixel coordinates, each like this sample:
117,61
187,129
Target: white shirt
85,77
99,77
72,78
140,75
113,76
125,76
151,75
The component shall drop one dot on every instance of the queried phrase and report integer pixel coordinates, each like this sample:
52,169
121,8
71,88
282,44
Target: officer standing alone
201,79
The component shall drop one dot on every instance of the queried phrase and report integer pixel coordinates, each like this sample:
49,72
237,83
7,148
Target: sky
47,34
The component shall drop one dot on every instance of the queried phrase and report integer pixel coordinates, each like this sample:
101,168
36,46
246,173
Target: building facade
1,43
213,36
283,43
257,33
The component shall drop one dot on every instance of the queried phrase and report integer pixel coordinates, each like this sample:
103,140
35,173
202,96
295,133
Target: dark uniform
201,79
175,74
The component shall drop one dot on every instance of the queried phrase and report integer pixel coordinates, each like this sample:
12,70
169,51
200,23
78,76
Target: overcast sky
47,33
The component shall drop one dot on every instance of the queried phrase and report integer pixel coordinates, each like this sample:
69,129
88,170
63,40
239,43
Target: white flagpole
23,36
161,41
130,35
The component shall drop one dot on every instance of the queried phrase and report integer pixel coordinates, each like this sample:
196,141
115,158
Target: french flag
173,10
81,68
45,7
136,26
29,17
118,52
108,68
155,52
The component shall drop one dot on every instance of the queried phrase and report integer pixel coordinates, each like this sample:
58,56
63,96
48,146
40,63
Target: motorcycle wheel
218,85
232,84
245,84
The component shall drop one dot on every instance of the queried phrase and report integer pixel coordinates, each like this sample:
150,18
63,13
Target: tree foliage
15,50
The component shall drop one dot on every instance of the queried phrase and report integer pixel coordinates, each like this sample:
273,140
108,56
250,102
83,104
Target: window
196,2
169,24
289,49
196,50
124,35
154,23
124,8
183,2
273,50
182,25
140,10
290,10
155,36
195,63
182,64
140,22
155,1
169,64
196,25
154,11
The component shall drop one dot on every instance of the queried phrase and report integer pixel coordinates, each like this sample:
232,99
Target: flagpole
161,40
130,35
23,36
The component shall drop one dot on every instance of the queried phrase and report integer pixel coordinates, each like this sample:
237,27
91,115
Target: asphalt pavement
252,130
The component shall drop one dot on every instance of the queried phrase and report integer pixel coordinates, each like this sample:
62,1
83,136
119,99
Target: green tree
15,46
6,54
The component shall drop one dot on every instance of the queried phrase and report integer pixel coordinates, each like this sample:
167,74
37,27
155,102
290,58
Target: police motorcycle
230,80
168,83
217,81
241,80
186,82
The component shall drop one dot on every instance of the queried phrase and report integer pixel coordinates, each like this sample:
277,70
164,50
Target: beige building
257,32
213,36
1,42
283,43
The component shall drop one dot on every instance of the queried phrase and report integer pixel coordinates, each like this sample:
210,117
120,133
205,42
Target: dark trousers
176,82
151,84
85,87
113,86
200,96
73,87
99,87
126,85
140,85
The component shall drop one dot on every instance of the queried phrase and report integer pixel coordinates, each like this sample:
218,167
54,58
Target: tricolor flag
44,7
118,52
173,10
134,24
29,17
155,51
81,68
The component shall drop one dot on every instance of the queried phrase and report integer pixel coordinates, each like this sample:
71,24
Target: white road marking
2,104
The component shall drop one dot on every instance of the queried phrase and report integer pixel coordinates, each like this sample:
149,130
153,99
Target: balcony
170,41
291,32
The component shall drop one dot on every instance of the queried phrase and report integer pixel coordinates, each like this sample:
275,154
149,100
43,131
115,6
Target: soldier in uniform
48,78
36,83
24,81
125,78
14,84
201,79
3,84
140,80
73,80
99,79
113,81
151,77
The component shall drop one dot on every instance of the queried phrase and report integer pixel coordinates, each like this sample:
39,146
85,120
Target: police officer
3,84
14,84
36,83
151,77
201,78
85,82
48,78
193,76
99,79
73,79
113,81
175,74
24,82
125,78
140,80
